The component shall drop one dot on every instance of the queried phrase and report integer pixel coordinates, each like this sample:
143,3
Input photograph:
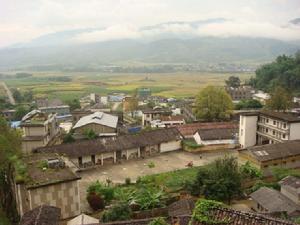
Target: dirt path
8,93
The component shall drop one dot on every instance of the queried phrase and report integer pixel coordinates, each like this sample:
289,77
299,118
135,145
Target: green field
179,85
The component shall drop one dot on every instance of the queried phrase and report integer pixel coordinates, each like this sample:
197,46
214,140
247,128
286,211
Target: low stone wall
208,148
159,212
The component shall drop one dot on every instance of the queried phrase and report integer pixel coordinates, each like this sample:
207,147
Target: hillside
202,50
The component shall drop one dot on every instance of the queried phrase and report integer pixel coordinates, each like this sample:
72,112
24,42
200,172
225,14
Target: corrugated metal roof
98,118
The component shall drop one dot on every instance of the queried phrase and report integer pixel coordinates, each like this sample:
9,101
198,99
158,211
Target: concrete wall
35,131
247,132
294,131
28,146
64,196
199,141
95,127
170,146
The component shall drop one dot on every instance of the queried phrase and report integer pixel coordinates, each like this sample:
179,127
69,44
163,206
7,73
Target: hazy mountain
166,46
196,50
295,21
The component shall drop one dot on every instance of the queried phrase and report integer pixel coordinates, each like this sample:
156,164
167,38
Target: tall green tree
17,95
10,167
281,100
233,81
74,104
220,180
213,104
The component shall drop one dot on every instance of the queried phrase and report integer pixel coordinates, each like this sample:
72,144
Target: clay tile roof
274,201
274,151
42,215
123,142
217,133
289,117
172,118
291,181
190,129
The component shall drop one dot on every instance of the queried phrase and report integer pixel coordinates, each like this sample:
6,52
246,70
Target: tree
28,96
90,134
220,180
74,104
68,138
17,95
280,100
213,104
248,104
132,105
20,112
10,165
233,81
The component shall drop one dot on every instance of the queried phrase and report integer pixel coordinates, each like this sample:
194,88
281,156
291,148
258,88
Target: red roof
190,129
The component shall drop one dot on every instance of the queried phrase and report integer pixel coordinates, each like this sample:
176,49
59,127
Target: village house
188,130
154,114
261,96
168,121
50,182
101,123
268,127
239,93
77,114
217,137
265,157
285,201
39,129
41,215
61,110
115,149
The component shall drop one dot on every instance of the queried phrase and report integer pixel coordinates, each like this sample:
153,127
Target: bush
260,184
117,213
95,201
191,144
127,181
101,190
249,171
151,165
158,221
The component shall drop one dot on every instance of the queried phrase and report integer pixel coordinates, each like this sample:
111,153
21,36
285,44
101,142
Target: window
267,130
284,125
267,120
283,135
266,166
274,132
241,132
274,122
80,161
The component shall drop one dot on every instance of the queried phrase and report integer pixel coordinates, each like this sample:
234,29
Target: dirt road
8,93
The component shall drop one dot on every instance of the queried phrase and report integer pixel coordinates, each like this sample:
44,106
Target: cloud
226,28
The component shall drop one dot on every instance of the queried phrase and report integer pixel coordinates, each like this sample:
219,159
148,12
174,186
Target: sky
24,20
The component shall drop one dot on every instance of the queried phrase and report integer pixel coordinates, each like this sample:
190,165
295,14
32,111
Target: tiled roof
281,115
42,215
92,147
274,151
172,118
38,177
291,181
190,129
274,201
217,133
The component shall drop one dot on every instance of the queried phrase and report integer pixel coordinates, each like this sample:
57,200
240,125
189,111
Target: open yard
180,84
163,165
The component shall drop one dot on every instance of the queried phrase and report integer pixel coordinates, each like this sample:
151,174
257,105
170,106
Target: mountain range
167,47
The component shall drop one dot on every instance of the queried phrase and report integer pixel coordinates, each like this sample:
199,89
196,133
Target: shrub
151,165
158,221
249,171
149,198
260,184
127,181
95,201
101,190
117,213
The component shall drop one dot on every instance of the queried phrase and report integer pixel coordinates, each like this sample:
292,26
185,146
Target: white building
268,127
261,96
216,136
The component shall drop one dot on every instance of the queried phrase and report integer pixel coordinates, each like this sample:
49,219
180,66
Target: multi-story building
240,93
60,110
154,114
268,127
39,129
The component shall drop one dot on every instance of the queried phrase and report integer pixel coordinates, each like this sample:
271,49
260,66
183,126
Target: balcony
282,130
271,137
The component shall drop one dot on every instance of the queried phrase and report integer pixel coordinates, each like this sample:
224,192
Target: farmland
179,85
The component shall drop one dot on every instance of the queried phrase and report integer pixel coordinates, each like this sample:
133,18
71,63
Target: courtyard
117,173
